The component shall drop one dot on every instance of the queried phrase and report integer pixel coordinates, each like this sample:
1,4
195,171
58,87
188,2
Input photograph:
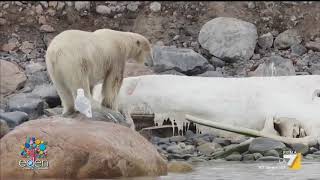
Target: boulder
313,45
275,66
234,157
82,5
298,49
229,39
182,60
48,93
4,128
12,78
15,118
265,41
287,38
272,153
208,148
248,157
262,145
31,104
82,148
179,167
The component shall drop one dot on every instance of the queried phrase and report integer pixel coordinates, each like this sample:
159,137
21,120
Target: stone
82,5
222,141
102,9
173,149
298,49
216,62
275,66
262,145
248,157
271,152
257,156
211,74
313,149
229,39
48,93
51,12
44,4
95,149
39,9
269,158
34,67
15,118
312,157
37,78
53,4
4,128
177,139
265,41
251,5
53,111
155,7
287,38
208,148
315,46
61,6
26,47
11,46
47,28
31,104
132,7
135,69
183,60
3,21
179,167
234,157
317,153
300,148
12,78
42,20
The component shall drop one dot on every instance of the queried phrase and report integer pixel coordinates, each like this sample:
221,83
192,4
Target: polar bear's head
142,50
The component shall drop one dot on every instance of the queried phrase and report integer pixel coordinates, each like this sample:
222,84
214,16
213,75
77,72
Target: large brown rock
11,78
134,69
82,148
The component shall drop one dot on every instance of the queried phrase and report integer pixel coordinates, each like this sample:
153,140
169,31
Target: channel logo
34,153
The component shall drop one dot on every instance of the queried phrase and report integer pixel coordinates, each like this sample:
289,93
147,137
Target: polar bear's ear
138,42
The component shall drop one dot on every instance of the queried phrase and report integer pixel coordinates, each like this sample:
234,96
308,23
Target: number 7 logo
294,160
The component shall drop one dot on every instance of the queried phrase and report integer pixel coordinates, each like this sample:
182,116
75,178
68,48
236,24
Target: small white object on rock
102,9
82,103
155,7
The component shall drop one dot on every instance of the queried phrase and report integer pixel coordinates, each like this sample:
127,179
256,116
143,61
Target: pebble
26,47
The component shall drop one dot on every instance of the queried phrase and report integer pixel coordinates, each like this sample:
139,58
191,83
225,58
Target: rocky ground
213,39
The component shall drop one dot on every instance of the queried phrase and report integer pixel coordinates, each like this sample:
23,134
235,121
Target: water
245,171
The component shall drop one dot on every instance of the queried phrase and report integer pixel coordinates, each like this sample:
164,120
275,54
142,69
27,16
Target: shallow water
245,171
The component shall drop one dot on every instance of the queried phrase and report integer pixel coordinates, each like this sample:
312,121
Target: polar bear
80,59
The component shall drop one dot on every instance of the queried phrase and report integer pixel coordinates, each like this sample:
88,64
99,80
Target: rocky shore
189,39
